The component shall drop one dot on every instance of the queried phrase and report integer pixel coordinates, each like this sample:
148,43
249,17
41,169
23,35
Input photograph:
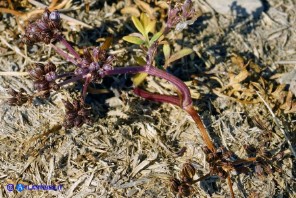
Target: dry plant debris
140,148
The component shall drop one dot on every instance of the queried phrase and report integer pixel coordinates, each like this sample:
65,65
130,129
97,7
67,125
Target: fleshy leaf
166,51
150,27
139,78
144,19
133,39
107,43
178,55
148,23
138,25
155,37
140,61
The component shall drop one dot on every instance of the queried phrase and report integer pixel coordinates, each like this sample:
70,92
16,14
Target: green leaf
155,38
149,27
139,78
176,56
144,19
180,54
138,25
148,23
133,39
140,60
166,51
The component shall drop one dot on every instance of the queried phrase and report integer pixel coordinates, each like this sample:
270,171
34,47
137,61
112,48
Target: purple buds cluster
77,113
179,13
44,77
18,97
91,66
47,29
263,165
94,61
183,187
187,10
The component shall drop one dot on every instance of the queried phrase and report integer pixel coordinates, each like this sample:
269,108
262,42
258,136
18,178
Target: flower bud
94,66
55,16
49,67
54,86
81,71
107,67
41,85
46,14
51,76
46,29
18,97
42,25
36,74
78,121
188,171
184,190
175,183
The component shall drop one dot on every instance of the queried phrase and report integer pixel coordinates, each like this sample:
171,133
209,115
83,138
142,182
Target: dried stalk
14,73
277,122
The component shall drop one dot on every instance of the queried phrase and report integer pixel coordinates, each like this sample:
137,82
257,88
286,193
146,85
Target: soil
241,77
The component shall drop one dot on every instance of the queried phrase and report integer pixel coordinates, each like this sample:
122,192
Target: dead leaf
145,7
130,10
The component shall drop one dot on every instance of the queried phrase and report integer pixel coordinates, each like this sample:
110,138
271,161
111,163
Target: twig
5,97
9,11
277,122
230,186
222,136
283,62
52,4
14,73
14,48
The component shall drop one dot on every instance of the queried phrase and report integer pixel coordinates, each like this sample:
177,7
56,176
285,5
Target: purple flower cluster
47,29
94,62
179,13
44,78
77,113
18,97
93,65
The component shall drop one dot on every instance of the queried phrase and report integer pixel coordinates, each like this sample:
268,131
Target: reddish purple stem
182,88
86,83
65,75
69,47
65,55
158,97
74,79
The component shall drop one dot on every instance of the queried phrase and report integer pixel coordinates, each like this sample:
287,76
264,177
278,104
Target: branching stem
74,79
69,47
185,102
65,55
182,88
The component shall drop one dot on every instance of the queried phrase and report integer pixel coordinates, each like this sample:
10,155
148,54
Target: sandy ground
242,79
